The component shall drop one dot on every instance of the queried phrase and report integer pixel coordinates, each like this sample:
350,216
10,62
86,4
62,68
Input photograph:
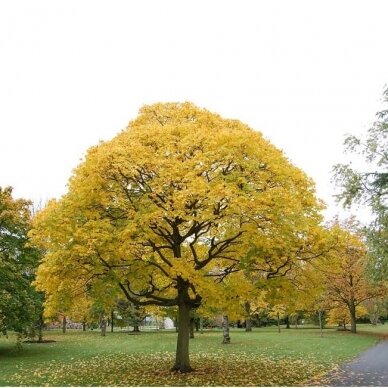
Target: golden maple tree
173,205
346,282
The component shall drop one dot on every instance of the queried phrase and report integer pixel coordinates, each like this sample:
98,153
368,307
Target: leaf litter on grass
211,369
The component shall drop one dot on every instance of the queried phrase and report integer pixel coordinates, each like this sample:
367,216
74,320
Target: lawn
262,357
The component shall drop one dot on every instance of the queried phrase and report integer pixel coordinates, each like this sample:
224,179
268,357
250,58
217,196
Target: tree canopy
172,206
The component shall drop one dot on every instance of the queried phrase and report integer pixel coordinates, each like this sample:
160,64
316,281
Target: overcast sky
304,73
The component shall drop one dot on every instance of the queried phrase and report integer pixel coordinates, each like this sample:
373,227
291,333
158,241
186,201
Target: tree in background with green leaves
370,186
21,306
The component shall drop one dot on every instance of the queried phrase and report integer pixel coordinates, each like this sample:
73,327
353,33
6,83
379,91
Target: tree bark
136,328
83,326
320,322
278,316
182,359
64,324
225,325
352,310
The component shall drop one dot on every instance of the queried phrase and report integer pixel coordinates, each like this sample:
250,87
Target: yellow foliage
171,210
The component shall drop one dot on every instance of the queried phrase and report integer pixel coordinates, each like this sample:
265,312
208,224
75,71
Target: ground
263,357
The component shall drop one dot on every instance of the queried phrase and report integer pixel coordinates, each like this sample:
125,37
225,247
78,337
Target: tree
376,308
171,207
370,187
132,313
20,304
346,282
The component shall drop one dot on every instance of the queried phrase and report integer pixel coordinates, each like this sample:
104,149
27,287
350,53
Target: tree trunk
182,359
197,323
136,328
278,316
64,324
103,325
225,325
191,327
40,334
352,310
320,322
248,322
287,320
40,328
83,326
111,321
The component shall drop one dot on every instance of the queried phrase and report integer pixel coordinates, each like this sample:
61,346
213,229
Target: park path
368,369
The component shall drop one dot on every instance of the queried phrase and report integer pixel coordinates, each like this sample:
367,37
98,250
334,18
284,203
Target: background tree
132,314
377,309
171,206
345,278
370,187
339,315
20,304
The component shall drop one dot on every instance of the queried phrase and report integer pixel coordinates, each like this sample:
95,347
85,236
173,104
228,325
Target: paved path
368,369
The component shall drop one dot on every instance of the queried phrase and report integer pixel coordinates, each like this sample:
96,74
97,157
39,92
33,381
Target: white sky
73,72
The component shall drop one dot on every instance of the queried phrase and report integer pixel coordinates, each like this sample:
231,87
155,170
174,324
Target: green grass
262,357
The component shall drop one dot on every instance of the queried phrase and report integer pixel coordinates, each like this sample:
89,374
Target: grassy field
262,357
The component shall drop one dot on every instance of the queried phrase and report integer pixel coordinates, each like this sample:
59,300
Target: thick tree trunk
182,359
136,328
64,324
225,326
352,310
